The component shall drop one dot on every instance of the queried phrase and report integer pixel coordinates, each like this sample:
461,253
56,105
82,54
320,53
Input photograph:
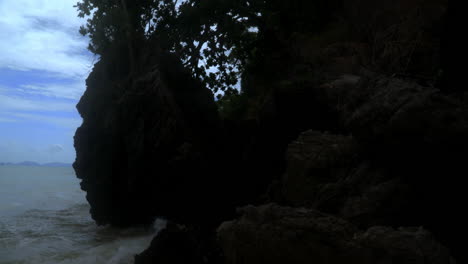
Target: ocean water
44,218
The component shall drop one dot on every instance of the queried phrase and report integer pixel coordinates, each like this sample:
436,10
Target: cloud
43,35
67,91
66,122
43,65
10,103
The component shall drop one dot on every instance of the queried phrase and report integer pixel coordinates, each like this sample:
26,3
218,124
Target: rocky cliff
351,146
147,138
152,145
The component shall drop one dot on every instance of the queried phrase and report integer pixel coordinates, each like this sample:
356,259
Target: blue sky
43,67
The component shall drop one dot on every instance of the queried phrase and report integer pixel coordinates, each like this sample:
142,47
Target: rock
343,58
151,144
404,245
314,160
147,142
403,35
179,245
414,134
389,114
171,245
361,183
275,234
329,173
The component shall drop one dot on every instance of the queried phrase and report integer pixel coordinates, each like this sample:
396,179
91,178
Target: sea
44,218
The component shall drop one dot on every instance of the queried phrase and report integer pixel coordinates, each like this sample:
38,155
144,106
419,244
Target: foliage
213,38
107,20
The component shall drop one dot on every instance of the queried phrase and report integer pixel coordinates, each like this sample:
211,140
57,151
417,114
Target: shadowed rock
147,140
180,245
275,234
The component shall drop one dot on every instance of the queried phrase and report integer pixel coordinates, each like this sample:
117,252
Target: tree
213,38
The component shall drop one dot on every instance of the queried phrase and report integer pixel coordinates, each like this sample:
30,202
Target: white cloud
12,103
43,35
66,122
67,91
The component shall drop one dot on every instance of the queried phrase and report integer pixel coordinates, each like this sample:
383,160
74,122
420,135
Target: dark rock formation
330,173
275,234
408,144
180,245
348,124
389,114
147,140
151,144
315,159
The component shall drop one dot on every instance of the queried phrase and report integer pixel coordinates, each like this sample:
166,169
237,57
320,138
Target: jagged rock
412,145
404,245
149,145
389,114
147,140
415,135
180,245
327,172
275,234
315,159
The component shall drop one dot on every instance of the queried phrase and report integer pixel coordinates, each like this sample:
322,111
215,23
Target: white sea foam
51,224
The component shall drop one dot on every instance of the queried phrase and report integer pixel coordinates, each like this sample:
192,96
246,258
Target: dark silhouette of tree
213,38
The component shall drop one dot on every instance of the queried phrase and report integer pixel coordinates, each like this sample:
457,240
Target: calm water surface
44,218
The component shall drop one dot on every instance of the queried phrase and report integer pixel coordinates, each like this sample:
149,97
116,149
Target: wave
69,236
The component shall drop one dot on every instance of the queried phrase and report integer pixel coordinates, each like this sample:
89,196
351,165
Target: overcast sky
43,67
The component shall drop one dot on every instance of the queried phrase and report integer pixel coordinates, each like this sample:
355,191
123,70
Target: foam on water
53,225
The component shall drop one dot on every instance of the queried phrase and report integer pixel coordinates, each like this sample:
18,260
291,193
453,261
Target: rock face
315,159
349,125
408,143
145,146
388,114
329,173
275,234
151,144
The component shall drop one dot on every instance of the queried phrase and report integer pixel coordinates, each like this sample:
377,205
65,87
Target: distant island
35,164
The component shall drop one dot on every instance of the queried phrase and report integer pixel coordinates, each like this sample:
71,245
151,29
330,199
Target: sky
43,66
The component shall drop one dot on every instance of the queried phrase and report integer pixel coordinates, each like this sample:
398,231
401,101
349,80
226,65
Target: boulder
329,173
275,234
315,160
